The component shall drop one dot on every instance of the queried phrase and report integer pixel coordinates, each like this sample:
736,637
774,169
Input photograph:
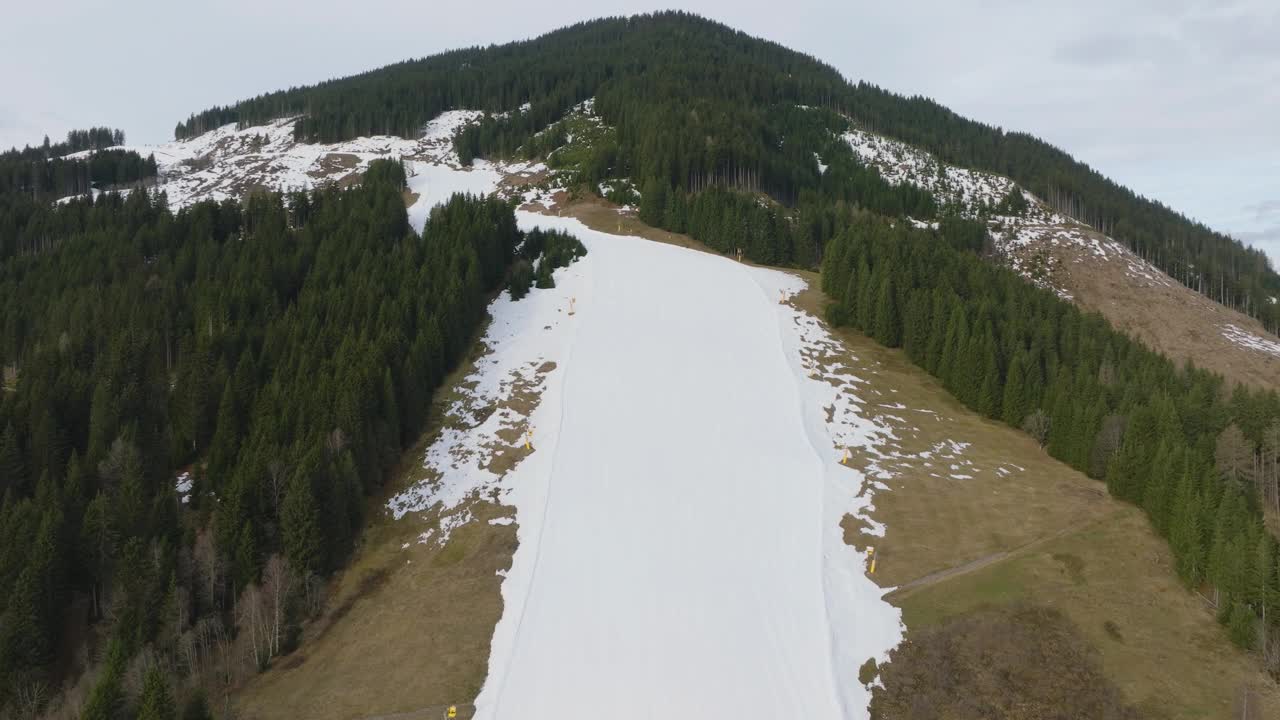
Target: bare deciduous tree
252,621
277,584
29,698
1037,426
1107,444
277,482
1234,456
211,565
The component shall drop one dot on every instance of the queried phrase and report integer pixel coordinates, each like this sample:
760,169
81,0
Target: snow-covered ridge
228,162
1030,243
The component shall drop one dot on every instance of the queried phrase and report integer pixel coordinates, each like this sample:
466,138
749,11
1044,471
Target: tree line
43,173
1199,457
95,138
281,351
697,104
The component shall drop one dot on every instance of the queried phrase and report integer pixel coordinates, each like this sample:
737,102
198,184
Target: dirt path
934,578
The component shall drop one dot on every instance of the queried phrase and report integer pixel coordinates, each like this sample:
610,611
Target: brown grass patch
1045,535
331,164
1172,319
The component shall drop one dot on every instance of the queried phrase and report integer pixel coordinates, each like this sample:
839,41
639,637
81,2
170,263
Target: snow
182,485
679,535
226,162
434,183
1246,339
1019,239
900,163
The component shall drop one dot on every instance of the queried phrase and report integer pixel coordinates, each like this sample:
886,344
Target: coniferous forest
1198,457
45,173
281,351
697,104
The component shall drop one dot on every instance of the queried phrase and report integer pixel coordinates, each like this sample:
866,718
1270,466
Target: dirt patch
1000,663
332,164
602,215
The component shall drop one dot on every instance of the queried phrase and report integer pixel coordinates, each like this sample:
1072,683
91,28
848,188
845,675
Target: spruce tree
1242,625
867,282
300,524
13,470
887,327
1013,407
155,702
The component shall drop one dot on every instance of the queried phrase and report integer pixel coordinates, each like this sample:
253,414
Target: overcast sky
1178,99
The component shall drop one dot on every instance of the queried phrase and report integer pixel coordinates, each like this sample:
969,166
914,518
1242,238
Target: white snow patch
226,162
1246,339
182,485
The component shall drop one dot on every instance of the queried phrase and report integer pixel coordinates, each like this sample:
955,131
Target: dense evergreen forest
277,352
1200,459
45,173
697,104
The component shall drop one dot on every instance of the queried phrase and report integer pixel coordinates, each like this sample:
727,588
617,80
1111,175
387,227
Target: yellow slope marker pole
871,556
845,458
528,439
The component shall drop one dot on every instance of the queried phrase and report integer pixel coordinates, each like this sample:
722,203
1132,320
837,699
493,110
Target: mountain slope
695,103
1084,265
327,317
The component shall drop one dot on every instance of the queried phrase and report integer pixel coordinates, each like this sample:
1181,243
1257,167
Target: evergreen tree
13,470
1013,407
887,328
300,524
156,703
1241,625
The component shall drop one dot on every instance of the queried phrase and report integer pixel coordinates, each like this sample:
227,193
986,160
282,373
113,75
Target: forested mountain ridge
1084,265
697,103
88,160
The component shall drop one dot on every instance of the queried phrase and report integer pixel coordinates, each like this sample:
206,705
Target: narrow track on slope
934,578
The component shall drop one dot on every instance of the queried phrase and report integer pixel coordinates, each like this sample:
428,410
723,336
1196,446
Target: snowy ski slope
679,520
680,549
